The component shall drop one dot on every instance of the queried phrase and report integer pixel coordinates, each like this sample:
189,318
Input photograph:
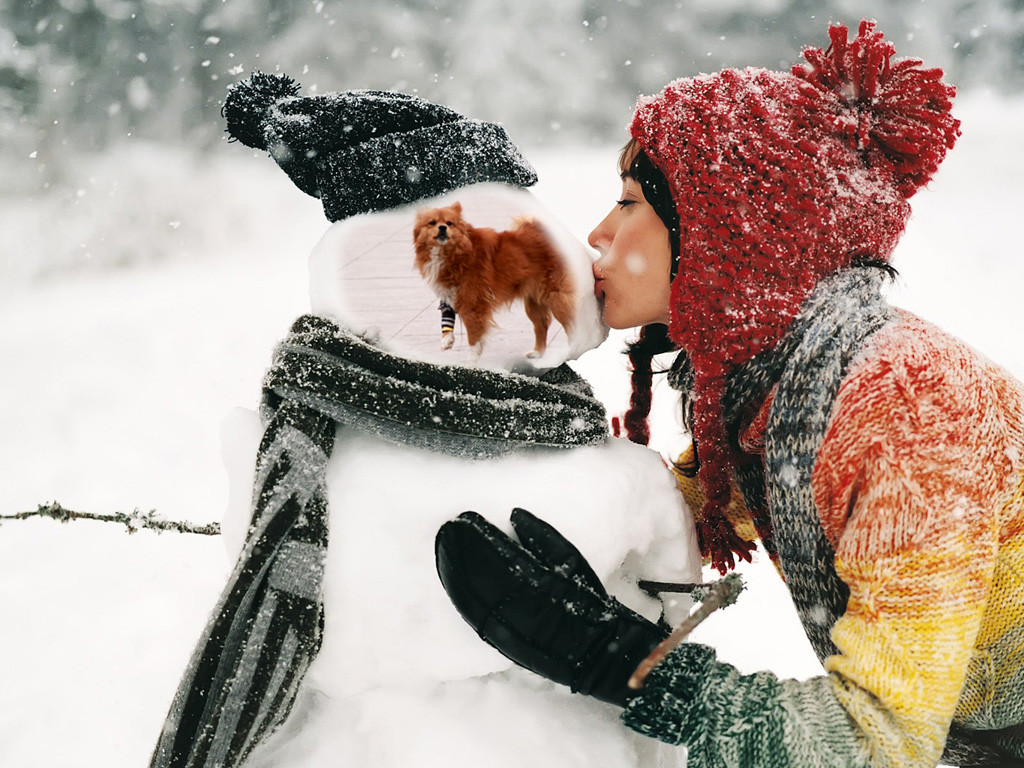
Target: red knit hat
779,180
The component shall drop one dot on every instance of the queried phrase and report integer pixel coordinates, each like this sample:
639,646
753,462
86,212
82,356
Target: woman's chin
625,322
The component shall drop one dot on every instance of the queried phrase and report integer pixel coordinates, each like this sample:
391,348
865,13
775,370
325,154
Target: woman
879,461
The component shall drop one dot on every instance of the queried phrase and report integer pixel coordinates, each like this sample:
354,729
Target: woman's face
632,276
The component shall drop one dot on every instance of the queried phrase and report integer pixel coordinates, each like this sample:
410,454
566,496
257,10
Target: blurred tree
81,74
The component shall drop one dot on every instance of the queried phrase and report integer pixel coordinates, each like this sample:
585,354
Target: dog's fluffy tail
528,226
525,222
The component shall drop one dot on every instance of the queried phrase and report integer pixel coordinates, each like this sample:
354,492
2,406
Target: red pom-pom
896,108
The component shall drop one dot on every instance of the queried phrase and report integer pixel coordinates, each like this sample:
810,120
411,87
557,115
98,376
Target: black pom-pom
247,102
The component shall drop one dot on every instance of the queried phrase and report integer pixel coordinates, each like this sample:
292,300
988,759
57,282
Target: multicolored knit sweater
912,593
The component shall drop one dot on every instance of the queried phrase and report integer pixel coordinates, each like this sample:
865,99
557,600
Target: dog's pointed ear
457,207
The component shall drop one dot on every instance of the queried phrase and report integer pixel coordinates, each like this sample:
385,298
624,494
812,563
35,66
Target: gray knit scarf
806,369
266,628
833,325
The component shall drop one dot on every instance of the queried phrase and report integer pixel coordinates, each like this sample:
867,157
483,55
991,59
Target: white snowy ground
115,383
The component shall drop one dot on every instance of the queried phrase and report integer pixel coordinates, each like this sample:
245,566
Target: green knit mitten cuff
721,716
671,706
726,718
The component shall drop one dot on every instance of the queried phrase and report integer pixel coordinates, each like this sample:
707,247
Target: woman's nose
600,239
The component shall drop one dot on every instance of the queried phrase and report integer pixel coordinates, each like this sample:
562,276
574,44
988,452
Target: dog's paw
447,339
533,354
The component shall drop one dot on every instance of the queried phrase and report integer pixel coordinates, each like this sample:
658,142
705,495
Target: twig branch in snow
133,521
653,587
714,596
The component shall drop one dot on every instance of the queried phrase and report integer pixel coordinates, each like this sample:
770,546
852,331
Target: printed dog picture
524,281
478,270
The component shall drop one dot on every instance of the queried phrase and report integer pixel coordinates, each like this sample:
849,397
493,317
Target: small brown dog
478,270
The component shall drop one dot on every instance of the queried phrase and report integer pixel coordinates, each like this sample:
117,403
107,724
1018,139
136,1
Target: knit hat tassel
718,539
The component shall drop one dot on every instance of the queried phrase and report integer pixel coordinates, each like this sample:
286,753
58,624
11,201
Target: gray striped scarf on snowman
266,628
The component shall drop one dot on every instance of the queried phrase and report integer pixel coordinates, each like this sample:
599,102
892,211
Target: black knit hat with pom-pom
364,151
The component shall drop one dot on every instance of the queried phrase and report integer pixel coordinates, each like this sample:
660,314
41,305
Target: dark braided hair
654,338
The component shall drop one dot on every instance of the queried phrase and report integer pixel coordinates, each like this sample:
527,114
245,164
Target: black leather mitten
538,602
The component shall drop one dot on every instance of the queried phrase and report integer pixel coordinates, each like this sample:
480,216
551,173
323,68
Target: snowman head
472,277
517,295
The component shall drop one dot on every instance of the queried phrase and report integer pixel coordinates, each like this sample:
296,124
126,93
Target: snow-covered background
147,269
116,382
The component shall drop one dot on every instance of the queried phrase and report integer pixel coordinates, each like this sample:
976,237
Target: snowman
334,643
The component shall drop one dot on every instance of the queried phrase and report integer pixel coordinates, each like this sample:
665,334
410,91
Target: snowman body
400,678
